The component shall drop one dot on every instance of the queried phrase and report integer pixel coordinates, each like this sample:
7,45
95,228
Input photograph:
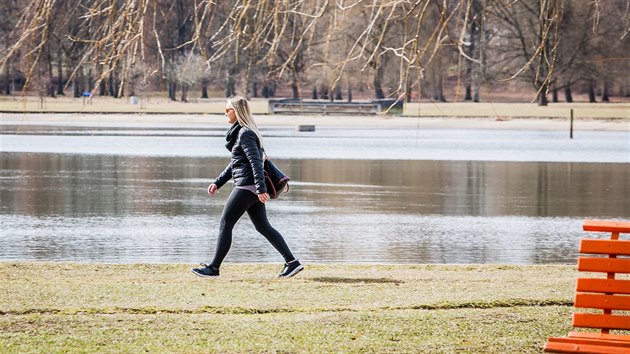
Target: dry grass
503,111
159,105
327,308
147,105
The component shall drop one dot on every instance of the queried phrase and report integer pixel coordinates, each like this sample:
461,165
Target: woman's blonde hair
243,115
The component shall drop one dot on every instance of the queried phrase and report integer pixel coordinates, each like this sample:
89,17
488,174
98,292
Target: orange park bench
606,296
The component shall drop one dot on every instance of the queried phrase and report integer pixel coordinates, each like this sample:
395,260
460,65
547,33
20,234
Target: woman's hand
212,189
263,197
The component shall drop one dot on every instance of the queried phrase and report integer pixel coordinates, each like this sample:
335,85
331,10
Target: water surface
327,143
124,208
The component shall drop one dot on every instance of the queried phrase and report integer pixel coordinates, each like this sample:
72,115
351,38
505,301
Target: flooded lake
394,196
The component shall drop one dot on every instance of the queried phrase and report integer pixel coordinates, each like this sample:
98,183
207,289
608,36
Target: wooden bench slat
595,341
606,226
603,302
611,286
609,265
616,247
599,335
590,320
583,342
560,347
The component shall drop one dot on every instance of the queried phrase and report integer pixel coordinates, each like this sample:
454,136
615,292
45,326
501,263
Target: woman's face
230,114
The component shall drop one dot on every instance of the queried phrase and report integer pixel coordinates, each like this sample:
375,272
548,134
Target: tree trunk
230,85
40,82
77,87
295,85
378,77
204,89
568,96
591,92
51,80
438,86
471,38
478,73
542,95
131,86
338,93
88,81
60,82
8,78
295,90
477,78
349,93
102,88
378,86
120,88
554,95
478,40
184,97
112,86
271,89
323,93
605,97
172,91
476,95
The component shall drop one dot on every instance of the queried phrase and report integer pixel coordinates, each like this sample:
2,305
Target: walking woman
249,193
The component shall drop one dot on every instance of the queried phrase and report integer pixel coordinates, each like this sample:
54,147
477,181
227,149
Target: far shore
329,121
457,115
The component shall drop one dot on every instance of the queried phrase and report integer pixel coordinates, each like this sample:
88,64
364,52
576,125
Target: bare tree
8,19
397,46
473,44
531,40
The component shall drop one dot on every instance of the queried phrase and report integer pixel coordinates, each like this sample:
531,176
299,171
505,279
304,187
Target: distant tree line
320,49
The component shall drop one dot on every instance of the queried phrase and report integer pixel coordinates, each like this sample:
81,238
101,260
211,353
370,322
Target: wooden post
571,125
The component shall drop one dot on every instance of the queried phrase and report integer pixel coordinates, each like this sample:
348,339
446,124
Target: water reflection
155,209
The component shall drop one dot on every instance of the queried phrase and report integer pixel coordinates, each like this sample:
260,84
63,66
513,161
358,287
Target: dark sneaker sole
294,272
202,275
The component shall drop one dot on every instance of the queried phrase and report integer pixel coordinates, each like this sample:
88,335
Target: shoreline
328,121
261,106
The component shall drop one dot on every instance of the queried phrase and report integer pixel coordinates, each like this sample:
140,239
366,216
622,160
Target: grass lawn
153,105
69,307
581,110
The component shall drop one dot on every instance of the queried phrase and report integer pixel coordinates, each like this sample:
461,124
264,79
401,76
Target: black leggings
239,202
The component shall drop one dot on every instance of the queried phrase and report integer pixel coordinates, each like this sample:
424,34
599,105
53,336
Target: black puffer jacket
246,165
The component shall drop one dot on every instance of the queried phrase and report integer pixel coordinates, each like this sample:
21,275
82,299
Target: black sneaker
206,271
291,269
